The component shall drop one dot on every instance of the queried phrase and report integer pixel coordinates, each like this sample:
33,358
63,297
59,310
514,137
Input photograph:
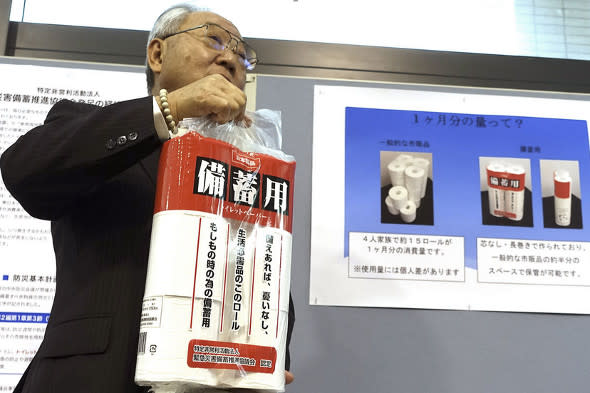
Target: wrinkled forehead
199,18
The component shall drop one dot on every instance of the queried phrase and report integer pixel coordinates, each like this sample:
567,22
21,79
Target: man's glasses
220,39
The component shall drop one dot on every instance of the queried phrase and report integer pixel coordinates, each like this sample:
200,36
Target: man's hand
289,377
212,96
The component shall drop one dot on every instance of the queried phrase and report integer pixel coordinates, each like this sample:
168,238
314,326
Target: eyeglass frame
252,60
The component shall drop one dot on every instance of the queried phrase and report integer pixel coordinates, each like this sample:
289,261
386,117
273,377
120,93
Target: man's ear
155,54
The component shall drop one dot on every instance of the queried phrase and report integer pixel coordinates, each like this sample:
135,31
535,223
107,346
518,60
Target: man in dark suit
92,172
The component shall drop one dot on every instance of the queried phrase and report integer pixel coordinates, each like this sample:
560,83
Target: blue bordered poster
450,198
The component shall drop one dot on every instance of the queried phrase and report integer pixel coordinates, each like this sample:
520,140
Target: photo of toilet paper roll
396,173
505,191
391,206
414,177
424,164
408,212
495,173
406,176
404,159
514,196
399,196
561,192
562,197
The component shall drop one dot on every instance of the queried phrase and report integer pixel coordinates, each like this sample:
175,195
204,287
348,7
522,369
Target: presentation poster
454,198
27,273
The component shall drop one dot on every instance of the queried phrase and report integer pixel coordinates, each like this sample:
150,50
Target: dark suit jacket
92,172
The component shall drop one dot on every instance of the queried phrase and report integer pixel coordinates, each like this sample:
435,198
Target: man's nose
229,59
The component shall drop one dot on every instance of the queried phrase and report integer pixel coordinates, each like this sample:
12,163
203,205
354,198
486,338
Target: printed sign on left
27,273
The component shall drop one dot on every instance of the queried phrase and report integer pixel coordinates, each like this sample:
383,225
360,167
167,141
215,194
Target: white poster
454,198
27,274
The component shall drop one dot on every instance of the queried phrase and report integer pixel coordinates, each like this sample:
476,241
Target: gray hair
167,23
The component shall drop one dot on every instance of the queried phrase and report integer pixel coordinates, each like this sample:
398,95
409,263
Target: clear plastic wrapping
217,291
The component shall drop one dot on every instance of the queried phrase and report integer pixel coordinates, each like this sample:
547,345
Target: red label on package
225,355
212,176
509,214
249,160
562,188
506,181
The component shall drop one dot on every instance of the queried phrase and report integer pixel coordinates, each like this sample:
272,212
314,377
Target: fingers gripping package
217,289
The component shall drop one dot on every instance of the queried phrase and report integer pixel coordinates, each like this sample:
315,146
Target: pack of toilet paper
216,300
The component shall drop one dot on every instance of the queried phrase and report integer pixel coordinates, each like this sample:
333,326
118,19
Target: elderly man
92,172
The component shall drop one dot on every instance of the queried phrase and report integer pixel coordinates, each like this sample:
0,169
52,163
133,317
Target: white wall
547,28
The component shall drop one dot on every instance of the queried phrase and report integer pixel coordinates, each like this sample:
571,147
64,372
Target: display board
385,349
28,89
450,199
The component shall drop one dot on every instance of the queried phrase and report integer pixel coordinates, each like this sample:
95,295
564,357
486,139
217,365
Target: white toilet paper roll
396,173
497,199
239,284
265,291
408,212
391,206
562,197
496,195
269,310
161,362
424,164
399,196
404,159
514,198
563,208
273,382
209,278
171,316
414,177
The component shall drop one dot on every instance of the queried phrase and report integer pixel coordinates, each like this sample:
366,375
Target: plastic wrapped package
495,172
506,190
562,197
215,309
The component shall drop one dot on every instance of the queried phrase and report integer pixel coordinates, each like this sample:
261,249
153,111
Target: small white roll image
396,172
391,206
414,176
496,167
404,159
424,164
562,197
408,212
514,200
399,196
496,195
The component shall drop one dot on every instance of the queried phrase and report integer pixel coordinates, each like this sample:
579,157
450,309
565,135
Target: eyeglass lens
220,39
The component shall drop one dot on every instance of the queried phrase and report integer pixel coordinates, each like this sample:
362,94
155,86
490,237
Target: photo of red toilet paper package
506,190
217,290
